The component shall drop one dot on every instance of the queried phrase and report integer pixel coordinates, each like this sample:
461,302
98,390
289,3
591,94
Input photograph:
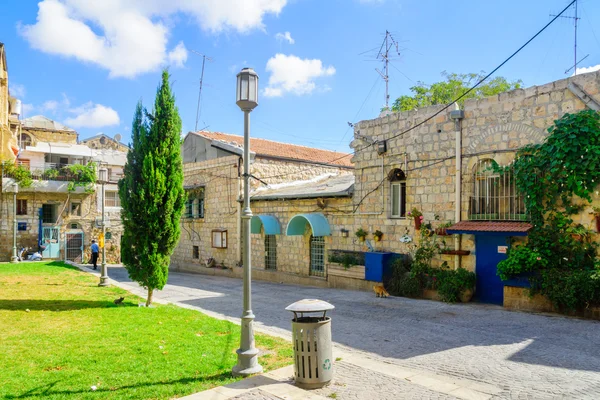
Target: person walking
95,250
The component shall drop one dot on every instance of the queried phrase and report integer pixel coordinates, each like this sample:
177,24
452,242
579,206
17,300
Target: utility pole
384,55
576,18
204,58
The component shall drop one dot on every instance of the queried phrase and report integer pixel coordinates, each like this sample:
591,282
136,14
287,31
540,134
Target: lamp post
247,100
14,258
103,178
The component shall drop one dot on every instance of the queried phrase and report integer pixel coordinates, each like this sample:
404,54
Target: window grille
25,140
398,199
196,252
270,252
189,207
21,207
317,255
495,196
48,213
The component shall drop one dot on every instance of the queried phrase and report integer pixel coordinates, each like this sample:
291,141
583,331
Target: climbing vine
558,179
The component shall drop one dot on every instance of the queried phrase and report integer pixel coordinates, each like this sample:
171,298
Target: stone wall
492,128
105,143
277,171
40,135
86,222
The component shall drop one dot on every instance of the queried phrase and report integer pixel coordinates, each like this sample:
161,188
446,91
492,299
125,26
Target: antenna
384,50
118,137
204,58
576,18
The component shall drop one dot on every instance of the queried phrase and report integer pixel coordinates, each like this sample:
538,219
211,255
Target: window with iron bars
194,205
270,252
495,196
317,256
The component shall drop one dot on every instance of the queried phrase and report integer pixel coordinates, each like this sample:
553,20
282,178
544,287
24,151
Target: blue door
50,242
490,251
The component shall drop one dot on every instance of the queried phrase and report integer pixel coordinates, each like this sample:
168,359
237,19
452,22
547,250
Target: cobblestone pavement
526,356
355,383
256,394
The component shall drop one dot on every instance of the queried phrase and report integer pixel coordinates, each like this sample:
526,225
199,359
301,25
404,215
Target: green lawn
60,334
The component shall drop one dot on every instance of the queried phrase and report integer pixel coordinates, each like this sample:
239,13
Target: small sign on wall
502,249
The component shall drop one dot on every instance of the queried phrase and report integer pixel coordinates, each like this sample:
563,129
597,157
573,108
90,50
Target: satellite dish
118,137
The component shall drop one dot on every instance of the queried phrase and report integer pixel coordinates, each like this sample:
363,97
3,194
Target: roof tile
270,148
490,226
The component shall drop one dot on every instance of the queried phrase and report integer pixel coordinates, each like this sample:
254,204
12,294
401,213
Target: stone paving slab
517,355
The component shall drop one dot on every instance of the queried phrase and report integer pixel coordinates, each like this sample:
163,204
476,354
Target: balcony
47,172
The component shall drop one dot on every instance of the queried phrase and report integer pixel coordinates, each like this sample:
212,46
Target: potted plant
596,213
417,216
441,229
361,234
377,235
578,232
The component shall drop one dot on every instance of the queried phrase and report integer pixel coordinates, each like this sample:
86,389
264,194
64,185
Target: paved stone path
519,355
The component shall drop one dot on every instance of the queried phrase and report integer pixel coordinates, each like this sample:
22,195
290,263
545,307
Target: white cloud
50,105
588,69
28,109
284,36
178,56
129,37
17,90
92,115
291,74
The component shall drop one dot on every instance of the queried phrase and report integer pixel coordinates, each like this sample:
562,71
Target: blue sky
86,63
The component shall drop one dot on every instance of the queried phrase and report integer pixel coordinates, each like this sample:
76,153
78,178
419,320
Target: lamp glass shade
102,174
15,187
247,89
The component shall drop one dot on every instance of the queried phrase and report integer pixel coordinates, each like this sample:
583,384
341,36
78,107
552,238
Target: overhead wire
457,98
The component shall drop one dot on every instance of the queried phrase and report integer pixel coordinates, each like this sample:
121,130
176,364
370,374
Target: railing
494,196
47,172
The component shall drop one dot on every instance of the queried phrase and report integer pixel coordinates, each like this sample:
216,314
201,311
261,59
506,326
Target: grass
60,334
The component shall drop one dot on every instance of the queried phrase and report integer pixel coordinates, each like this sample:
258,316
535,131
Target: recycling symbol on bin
327,365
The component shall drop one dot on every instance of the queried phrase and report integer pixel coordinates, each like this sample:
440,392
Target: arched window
25,140
397,180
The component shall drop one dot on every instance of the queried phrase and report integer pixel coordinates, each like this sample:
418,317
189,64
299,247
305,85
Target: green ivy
19,173
550,175
81,176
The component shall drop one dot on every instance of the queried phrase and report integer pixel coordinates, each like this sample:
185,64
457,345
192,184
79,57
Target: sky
86,63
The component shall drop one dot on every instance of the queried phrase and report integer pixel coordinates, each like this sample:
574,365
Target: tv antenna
204,59
575,19
384,55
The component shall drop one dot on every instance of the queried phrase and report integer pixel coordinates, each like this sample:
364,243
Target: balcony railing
47,172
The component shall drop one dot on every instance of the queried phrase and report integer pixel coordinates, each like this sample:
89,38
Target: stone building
213,180
105,142
433,160
52,214
10,108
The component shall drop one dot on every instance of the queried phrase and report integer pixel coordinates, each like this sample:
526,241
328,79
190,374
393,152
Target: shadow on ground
406,329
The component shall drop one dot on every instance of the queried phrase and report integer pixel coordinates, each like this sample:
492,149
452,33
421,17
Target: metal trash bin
311,338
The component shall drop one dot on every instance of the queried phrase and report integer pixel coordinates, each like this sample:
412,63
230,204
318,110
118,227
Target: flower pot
377,238
417,223
577,237
362,238
466,295
441,232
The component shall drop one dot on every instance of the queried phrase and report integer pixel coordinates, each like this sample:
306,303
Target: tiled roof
330,186
491,226
270,148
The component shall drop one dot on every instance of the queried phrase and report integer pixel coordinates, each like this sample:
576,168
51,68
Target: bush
569,290
451,283
520,260
403,283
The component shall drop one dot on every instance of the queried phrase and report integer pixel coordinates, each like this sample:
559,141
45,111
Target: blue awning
269,222
317,221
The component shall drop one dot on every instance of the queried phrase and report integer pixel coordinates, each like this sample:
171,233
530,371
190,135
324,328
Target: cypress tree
151,192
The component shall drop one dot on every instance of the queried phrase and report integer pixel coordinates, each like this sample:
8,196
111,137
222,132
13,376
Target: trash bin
311,338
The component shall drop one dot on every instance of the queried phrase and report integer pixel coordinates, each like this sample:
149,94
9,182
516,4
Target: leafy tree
453,86
151,192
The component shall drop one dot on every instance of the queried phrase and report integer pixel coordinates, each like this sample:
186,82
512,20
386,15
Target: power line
455,100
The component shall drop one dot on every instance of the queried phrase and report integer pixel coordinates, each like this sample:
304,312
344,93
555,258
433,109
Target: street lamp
14,258
247,100
103,178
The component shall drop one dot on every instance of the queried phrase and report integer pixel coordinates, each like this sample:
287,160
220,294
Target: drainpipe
457,115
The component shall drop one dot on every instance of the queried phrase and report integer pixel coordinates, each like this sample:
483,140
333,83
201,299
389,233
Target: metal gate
317,255
50,242
74,246
270,252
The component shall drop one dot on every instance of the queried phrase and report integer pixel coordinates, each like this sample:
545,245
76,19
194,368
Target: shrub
521,259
